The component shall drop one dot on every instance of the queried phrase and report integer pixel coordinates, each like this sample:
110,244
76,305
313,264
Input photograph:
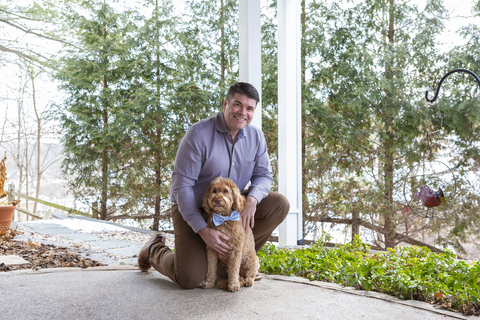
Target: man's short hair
245,89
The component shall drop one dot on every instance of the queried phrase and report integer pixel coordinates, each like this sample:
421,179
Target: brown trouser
187,266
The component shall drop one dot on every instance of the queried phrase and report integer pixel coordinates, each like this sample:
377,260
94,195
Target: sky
460,15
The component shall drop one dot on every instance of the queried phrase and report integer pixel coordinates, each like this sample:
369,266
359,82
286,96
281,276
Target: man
224,145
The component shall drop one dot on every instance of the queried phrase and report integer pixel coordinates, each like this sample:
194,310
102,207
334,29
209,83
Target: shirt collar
222,127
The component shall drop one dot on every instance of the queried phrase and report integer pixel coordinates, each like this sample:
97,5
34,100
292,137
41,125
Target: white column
250,59
289,119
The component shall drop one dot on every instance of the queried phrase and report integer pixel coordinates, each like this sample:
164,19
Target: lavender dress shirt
208,151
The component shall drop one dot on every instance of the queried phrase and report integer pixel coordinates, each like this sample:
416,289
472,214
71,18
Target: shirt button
233,163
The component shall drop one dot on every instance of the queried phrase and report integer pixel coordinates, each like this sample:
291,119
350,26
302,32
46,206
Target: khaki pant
187,266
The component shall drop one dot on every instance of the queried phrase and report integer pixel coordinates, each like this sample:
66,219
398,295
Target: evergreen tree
95,80
366,105
207,63
270,84
458,104
153,123
180,73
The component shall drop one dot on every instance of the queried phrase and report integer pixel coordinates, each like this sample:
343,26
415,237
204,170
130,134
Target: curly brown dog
223,201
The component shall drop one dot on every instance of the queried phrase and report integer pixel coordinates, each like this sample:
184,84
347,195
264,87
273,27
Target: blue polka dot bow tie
218,219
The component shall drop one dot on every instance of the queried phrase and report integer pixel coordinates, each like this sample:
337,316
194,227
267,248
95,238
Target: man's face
238,113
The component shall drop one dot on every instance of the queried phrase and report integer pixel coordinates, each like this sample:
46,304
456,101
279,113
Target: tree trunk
156,217
222,43
158,136
39,132
388,182
355,222
19,143
303,55
104,191
389,147
26,169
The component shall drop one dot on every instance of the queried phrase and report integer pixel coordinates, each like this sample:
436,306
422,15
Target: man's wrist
202,231
251,201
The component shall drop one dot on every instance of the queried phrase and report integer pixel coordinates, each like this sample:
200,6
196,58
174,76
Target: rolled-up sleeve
188,164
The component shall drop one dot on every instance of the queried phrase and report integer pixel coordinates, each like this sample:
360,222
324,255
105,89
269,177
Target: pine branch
19,16
18,53
29,31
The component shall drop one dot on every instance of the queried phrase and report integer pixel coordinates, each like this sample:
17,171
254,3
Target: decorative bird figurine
429,197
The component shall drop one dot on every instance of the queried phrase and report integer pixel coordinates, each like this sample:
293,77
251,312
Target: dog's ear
238,199
206,205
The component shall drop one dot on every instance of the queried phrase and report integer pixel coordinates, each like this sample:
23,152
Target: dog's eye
225,191
214,191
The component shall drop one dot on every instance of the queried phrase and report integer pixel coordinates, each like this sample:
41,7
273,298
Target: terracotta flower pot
6,215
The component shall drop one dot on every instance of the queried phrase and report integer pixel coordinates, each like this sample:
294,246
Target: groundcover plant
406,272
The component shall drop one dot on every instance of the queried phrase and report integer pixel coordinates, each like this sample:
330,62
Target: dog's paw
248,282
207,285
233,287
242,281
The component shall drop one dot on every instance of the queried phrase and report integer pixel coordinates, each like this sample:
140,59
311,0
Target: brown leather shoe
144,254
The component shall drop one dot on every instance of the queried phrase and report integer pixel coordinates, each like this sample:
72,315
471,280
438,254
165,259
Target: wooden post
11,190
10,198
95,210
355,222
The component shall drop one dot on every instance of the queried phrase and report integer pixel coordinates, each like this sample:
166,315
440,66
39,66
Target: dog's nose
217,201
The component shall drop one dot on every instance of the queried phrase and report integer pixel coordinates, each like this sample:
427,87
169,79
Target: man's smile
241,119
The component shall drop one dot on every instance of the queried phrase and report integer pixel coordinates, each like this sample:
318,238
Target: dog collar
219,219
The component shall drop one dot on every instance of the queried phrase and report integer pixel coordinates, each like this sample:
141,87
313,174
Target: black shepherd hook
445,76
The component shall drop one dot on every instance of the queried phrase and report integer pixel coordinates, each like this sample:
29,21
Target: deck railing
12,193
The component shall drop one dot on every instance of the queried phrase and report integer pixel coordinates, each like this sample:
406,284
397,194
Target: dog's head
222,197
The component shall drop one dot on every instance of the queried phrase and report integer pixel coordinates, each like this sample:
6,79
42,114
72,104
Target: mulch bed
40,256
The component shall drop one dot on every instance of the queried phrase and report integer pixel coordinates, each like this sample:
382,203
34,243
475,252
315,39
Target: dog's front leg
235,260
212,260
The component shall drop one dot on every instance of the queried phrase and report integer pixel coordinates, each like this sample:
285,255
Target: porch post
250,59
289,120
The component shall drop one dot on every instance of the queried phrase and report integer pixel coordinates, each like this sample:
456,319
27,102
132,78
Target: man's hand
247,216
215,240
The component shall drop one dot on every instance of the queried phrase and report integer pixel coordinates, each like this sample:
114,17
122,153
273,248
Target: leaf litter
39,255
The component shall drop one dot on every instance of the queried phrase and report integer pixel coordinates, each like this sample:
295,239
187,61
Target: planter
6,215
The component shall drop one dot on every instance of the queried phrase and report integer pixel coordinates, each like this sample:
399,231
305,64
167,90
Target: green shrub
406,272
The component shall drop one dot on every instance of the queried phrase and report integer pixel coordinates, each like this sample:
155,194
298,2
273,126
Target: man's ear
225,104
